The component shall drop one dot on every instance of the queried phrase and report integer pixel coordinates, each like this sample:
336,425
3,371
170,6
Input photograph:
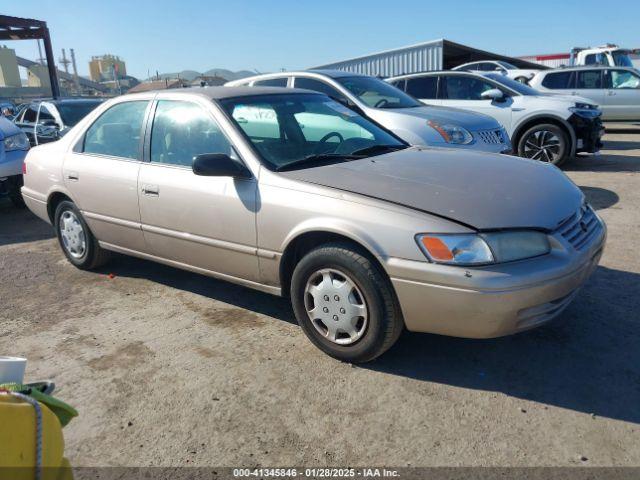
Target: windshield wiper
317,158
378,149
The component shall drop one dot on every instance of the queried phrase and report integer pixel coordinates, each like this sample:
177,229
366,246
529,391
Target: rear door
622,95
200,221
102,174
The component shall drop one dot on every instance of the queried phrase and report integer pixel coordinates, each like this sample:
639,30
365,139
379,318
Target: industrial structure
107,68
429,56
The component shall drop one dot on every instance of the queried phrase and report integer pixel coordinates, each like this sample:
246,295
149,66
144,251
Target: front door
102,174
199,221
462,91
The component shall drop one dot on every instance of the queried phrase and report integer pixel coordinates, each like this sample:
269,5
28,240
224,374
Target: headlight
19,141
452,133
482,249
586,110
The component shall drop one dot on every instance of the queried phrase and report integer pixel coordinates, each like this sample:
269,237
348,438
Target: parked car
615,89
12,152
405,116
366,234
7,109
518,74
542,127
47,120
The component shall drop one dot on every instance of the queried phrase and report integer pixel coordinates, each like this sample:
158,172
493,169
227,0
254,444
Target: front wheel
544,142
78,243
14,185
345,304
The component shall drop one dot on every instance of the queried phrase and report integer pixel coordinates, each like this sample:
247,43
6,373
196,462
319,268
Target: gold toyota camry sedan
290,192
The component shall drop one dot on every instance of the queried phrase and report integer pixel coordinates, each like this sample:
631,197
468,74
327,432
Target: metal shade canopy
15,28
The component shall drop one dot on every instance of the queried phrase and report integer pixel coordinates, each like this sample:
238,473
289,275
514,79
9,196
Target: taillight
24,168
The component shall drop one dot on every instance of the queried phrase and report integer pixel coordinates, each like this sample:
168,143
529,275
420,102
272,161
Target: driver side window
460,87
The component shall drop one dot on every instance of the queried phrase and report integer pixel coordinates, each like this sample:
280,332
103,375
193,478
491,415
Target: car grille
580,227
494,137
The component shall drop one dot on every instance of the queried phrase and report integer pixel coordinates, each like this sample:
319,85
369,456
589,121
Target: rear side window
182,131
423,87
271,82
117,131
589,79
558,81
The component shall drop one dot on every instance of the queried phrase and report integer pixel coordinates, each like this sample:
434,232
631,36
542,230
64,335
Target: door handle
151,190
73,176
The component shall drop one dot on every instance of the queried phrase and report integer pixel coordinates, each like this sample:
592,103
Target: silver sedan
291,193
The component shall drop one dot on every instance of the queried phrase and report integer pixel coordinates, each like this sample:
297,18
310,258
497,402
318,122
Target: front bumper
589,133
11,163
496,300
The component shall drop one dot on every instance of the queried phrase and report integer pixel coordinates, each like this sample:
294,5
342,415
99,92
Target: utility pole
76,80
64,61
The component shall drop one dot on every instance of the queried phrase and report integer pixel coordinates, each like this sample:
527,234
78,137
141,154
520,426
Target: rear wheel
78,243
345,304
545,142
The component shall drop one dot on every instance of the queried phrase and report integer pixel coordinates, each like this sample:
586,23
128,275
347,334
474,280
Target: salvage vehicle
542,127
46,121
412,121
366,234
13,149
615,89
498,66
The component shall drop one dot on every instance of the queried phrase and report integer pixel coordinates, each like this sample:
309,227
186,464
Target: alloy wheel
543,145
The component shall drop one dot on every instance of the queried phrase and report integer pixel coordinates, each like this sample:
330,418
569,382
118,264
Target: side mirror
219,165
492,94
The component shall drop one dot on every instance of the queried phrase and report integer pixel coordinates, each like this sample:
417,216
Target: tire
545,142
364,337
77,242
13,185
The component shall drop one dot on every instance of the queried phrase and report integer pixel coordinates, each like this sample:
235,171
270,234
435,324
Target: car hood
472,121
481,190
564,98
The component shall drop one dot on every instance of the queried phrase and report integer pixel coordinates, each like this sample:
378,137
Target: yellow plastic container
18,442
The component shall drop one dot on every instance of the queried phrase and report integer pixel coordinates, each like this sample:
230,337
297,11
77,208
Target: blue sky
268,35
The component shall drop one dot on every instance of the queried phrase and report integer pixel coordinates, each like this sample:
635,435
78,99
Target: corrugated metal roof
422,57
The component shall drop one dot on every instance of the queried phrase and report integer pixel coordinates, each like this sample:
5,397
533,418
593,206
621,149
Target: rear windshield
521,88
73,112
377,93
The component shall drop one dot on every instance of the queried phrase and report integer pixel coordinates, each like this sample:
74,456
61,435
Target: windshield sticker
341,109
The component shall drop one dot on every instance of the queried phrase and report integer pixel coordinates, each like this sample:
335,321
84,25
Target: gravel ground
172,368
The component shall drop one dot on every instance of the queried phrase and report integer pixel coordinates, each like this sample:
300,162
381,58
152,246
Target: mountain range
220,72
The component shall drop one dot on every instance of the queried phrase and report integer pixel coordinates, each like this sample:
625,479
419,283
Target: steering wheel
329,135
381,103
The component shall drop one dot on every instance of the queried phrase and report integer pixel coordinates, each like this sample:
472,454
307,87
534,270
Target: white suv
519,74
615,89
550,128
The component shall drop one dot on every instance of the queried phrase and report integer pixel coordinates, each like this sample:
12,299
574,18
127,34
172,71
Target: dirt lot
172,368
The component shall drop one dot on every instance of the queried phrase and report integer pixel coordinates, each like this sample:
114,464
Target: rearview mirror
492,94
219,165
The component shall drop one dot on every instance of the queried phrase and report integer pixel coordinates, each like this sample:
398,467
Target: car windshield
621,59
377,93
521,88
303,130
73,112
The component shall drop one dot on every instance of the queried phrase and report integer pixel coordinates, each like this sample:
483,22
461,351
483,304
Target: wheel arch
545,118
303,241
53,200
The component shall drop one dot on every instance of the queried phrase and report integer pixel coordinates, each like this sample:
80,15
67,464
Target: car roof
588,67
335,73
221,93
436,72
